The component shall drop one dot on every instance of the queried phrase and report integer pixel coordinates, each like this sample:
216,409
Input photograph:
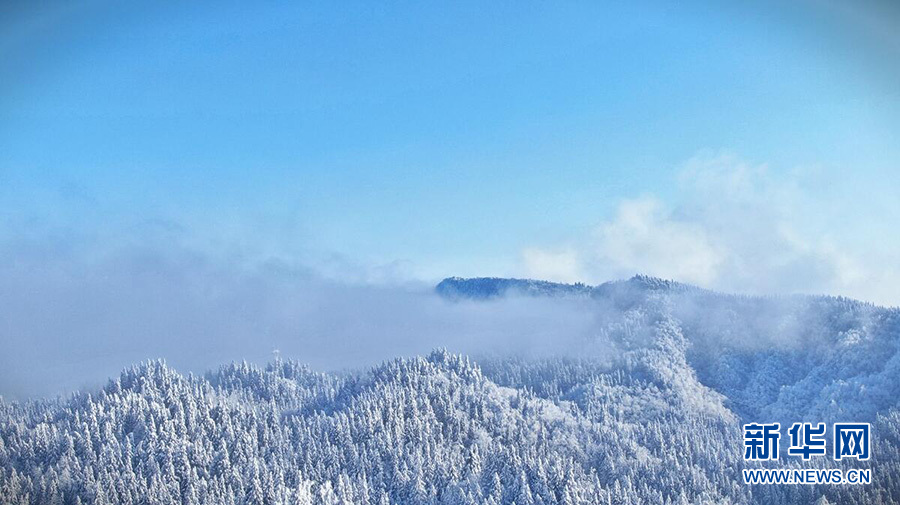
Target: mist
70,321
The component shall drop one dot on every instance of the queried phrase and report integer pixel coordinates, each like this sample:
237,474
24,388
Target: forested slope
648,411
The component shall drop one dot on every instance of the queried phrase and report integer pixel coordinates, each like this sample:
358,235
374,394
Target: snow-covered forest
647,410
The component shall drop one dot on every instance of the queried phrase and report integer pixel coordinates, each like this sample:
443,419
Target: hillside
771,357
648,411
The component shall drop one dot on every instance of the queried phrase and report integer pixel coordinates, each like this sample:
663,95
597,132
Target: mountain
772,357
649,410
483,288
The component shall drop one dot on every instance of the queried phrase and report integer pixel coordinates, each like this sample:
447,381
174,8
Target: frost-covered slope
427,430
647,411
794,357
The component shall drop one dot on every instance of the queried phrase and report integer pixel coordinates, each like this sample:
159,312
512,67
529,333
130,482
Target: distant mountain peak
484,288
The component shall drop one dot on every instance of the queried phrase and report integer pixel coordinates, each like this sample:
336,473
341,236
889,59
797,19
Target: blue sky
744,148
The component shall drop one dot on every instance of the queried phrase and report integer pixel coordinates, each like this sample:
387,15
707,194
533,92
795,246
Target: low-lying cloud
69,321
73,313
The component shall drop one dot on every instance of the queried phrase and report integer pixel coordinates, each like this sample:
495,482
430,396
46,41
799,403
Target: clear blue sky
461,138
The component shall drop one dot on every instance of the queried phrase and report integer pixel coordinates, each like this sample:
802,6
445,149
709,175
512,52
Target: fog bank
69,322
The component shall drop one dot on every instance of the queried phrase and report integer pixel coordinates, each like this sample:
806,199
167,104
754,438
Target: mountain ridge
656,392
485,288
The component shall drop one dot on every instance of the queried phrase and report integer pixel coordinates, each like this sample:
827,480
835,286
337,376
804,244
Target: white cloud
69,322
643,237
559,266
736,227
